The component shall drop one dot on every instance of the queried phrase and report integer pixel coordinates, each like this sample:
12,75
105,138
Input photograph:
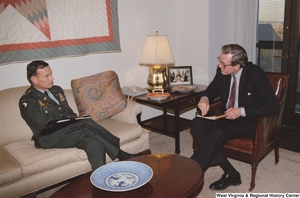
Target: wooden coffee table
173,176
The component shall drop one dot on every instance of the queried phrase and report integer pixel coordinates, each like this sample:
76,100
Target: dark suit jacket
256,94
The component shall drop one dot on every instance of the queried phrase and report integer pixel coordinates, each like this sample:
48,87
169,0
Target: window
270,34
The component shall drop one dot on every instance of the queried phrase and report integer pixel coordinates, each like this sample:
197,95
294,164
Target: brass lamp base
157,78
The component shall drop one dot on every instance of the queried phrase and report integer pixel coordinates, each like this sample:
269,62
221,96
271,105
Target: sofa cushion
99,95
125,131
33,160
10,171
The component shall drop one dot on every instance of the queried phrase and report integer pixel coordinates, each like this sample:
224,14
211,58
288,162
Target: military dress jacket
38,109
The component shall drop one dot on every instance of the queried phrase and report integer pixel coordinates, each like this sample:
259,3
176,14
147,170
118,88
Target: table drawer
192,101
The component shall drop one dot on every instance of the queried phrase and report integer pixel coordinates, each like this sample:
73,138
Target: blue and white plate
121,176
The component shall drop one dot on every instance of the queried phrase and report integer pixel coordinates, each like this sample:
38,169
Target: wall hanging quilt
44,29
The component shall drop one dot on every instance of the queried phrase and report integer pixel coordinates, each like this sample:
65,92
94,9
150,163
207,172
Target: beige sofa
25,169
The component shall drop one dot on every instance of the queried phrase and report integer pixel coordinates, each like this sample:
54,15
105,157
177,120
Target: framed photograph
180,75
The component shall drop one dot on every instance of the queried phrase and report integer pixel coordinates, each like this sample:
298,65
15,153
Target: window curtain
243,25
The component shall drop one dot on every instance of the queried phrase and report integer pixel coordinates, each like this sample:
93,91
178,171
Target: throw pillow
99,95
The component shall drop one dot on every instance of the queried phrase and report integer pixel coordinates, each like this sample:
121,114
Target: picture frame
180,75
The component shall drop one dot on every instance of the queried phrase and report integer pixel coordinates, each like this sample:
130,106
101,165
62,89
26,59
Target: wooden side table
166,124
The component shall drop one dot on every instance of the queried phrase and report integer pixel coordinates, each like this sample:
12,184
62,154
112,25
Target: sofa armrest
129,114
10,171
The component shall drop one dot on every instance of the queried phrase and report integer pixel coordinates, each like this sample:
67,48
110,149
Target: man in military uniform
44,103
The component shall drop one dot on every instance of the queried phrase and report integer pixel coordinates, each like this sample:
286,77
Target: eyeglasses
221,62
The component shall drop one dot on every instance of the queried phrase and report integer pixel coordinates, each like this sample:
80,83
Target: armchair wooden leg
276,150
252,184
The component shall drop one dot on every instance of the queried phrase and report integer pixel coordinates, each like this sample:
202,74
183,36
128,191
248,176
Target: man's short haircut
238,52
33,67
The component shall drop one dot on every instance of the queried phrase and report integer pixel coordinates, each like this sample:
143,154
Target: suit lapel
243,83
227,85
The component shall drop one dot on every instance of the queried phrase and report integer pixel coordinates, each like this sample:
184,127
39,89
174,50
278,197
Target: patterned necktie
48,93
232,93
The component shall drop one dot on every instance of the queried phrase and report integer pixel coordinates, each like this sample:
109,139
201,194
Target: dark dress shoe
226,181
136,155
140,154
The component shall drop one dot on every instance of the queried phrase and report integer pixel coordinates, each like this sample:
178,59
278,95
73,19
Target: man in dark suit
246,94
44,102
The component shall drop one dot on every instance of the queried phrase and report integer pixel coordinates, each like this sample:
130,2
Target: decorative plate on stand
158,96
184,88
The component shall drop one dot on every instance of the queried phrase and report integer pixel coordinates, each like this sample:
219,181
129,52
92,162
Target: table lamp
157,55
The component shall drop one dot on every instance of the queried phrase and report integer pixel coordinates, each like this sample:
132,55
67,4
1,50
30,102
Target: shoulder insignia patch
24,103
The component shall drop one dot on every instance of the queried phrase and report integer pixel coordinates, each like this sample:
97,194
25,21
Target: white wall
196,31
202,28
192,37
218,32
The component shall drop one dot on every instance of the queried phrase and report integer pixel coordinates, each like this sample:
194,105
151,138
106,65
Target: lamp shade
157,51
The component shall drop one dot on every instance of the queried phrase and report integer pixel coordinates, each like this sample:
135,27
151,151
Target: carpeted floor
290,139
280,178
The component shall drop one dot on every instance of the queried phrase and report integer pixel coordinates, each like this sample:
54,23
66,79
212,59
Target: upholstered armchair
266,138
